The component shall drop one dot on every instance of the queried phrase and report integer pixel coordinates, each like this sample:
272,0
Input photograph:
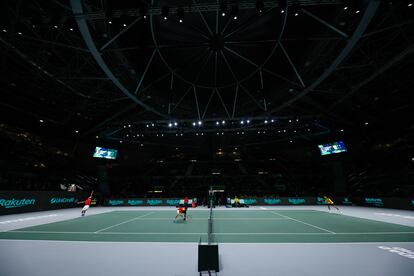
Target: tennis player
182,212
87,204
330,203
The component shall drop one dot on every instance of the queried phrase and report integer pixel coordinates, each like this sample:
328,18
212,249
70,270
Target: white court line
124,222
26,219
304,222
203,233
169,219
222,244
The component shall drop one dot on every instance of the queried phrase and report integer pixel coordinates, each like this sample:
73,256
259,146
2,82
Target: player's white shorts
86,207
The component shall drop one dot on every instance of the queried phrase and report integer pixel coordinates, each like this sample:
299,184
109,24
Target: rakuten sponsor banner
12,202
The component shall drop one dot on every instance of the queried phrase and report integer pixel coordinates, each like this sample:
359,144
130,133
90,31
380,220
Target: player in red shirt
182,212
87,204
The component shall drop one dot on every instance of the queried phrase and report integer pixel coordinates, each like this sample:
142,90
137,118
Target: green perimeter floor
232,226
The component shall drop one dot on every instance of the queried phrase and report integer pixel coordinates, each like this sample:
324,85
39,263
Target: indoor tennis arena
207,137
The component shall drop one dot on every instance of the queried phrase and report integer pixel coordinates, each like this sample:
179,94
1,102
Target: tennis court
228,226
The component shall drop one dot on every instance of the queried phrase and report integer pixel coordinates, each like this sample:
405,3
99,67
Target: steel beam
84,29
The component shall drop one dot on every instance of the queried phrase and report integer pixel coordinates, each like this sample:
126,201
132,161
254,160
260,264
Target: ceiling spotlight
55,26
194,123
4,31
248,121
366,123
223,8
124,25
265,121
182,134
242,122
143,10
180,14
223,122
272,121
290,121
222,133
234,11
196,134
97,137
169,124
41,121
147,125
120,141
175,124
76,131
19,33
259,5
346,7
296,8
410,4
109,22
200,123
217,123
165,11
202,133
342,130
283,6
71,29
357,11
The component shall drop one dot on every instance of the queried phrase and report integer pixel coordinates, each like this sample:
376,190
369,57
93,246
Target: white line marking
304,222
203,233
124,222
26,219
222,244
395,215
263,208
169,219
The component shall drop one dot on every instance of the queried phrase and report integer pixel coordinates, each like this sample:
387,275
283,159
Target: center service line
123,222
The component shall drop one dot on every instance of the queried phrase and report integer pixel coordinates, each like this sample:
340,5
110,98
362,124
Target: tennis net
210,226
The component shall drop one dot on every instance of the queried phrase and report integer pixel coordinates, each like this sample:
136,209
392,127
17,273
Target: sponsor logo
399,250
374,201
320,201
16,203
174,202
272,201
153,202
135,202
61,200
115,202
249,201
346,201
296,201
